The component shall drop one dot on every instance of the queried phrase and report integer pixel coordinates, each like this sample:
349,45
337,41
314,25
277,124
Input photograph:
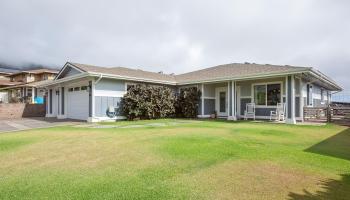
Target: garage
78,103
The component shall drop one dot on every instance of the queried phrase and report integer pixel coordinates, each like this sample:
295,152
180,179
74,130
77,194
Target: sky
178,36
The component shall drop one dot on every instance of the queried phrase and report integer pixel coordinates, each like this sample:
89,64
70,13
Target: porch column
301,100
33,94
232,101
290,98
202,108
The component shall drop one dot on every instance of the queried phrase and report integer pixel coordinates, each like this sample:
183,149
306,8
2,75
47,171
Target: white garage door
78,104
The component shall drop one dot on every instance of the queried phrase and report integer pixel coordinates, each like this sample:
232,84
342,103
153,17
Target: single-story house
86,92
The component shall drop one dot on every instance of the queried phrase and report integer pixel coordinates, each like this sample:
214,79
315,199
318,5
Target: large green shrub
148,102
187,102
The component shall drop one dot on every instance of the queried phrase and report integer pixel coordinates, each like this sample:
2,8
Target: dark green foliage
187,102
148,102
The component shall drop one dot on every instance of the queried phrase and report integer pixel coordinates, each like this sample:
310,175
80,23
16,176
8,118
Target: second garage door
78,103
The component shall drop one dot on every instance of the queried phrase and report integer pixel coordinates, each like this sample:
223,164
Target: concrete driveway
9,125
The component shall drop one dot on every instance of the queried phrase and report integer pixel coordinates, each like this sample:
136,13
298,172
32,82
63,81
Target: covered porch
228,99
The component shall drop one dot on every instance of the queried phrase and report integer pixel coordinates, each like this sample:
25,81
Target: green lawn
192,160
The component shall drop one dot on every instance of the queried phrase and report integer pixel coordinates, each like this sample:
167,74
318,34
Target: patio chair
249,111
279,113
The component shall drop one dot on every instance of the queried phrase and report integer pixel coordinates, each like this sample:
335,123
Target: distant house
22,86
86,92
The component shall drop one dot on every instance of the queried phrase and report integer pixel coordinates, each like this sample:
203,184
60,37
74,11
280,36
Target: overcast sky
178,36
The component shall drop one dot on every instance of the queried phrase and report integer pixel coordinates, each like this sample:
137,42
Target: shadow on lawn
336,146
331,189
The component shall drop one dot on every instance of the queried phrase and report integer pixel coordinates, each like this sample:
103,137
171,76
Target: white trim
245,97
217,102
238,88
61,116
233,103
286,87
112,76
301,101
33,94
203,116
261,76
228,99
109,93
93,91
208,97
64,67
99,79
202,99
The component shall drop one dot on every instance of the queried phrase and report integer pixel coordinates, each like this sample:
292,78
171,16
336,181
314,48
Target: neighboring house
85,92
22,86
4,82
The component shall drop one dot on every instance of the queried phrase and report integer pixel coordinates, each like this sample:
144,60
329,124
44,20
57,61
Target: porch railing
336,114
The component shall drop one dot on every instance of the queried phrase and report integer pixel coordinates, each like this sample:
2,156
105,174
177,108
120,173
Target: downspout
99,78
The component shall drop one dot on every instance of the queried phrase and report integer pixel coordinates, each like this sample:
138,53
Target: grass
181,160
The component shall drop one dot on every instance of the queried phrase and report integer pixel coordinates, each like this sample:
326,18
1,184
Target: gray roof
127,72
234,70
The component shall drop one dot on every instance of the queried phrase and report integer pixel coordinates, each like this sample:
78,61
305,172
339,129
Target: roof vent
160,72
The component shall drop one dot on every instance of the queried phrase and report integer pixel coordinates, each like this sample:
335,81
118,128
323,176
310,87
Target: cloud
178,36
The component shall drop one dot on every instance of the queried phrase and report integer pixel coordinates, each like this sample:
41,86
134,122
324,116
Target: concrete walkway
10,125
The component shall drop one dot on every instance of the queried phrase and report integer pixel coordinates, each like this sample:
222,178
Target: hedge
153,102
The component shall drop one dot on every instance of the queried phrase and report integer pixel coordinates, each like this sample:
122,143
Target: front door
221,101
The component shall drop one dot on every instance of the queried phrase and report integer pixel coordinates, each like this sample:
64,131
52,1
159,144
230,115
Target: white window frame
265,84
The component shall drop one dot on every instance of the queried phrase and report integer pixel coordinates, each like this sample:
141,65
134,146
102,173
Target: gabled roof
236,70
125,72
233,71
4,73
37,84
6,82
35,71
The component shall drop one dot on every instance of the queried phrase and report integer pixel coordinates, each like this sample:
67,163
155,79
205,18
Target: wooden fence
335,114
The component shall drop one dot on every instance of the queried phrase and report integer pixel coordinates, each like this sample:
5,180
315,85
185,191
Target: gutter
241,78
132,78
54,82
326,79
98,80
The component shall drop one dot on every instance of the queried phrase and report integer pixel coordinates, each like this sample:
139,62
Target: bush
148,102
187,102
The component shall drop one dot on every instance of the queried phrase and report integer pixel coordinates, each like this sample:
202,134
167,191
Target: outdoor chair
280,112
249,111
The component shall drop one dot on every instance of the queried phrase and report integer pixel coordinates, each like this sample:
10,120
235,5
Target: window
260,95
70,90
76,88
267,94
83,88
273,94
